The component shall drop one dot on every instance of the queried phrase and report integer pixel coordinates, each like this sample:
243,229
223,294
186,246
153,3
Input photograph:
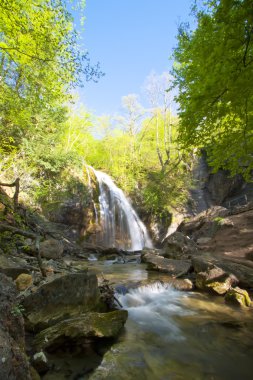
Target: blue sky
130,39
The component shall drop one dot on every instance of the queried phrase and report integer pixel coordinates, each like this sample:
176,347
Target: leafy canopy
214,73
40,62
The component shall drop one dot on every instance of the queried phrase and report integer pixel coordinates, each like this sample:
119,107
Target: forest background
46,140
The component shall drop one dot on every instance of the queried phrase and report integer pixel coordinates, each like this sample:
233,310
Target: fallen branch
15,184
107,293
28,234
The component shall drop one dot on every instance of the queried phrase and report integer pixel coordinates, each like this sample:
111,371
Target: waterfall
120,225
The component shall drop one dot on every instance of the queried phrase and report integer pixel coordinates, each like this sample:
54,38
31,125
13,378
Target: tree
160,98
40,62
214,73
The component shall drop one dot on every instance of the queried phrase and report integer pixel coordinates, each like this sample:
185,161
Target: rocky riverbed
60,326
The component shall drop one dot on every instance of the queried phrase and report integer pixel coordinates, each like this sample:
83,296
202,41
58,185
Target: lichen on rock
239,297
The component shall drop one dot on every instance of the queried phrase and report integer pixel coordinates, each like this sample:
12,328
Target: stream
174,335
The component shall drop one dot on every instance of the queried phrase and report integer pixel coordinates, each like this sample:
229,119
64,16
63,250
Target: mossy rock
62,297
215,280
85,326
239,297
23,281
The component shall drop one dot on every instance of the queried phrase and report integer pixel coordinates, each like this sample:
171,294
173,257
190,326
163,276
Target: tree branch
219,96
16,184
28,234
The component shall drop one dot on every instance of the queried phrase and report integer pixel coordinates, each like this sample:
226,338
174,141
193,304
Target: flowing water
120,225
169,335
173,335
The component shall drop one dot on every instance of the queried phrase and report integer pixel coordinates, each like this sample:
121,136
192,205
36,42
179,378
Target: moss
219,287
239,297
88,325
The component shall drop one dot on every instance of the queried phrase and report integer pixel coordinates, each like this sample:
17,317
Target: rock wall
218,188
13,361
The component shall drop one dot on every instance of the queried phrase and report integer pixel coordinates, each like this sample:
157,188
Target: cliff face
215,189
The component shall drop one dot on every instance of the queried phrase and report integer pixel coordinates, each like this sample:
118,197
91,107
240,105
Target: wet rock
51,249
13,361
62,295
170,266
86,326
23,281
215,280
238,297
152,251
182,284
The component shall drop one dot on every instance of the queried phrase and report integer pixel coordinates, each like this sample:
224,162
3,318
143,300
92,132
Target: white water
91,193
173,335
153,307
120,225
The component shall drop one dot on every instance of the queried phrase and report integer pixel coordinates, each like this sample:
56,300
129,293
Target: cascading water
120,225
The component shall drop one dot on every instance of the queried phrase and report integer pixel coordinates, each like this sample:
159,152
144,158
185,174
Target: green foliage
40,62
17,310
214,74
219,220
132,160
46,143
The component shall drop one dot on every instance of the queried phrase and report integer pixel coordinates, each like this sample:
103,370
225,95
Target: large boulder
205,223
56,299
85,326
241,271
51,249
178,246
170,266
14,364
202,264
206,262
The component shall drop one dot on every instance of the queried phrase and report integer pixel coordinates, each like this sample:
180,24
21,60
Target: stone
178,246
51,249
215,280
221,185
202,223
201,264
152,251
238,297
182,284
170,266
85,326
204,240
34,374
13,266
60,296
242,272
23,281
40,362
13,360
